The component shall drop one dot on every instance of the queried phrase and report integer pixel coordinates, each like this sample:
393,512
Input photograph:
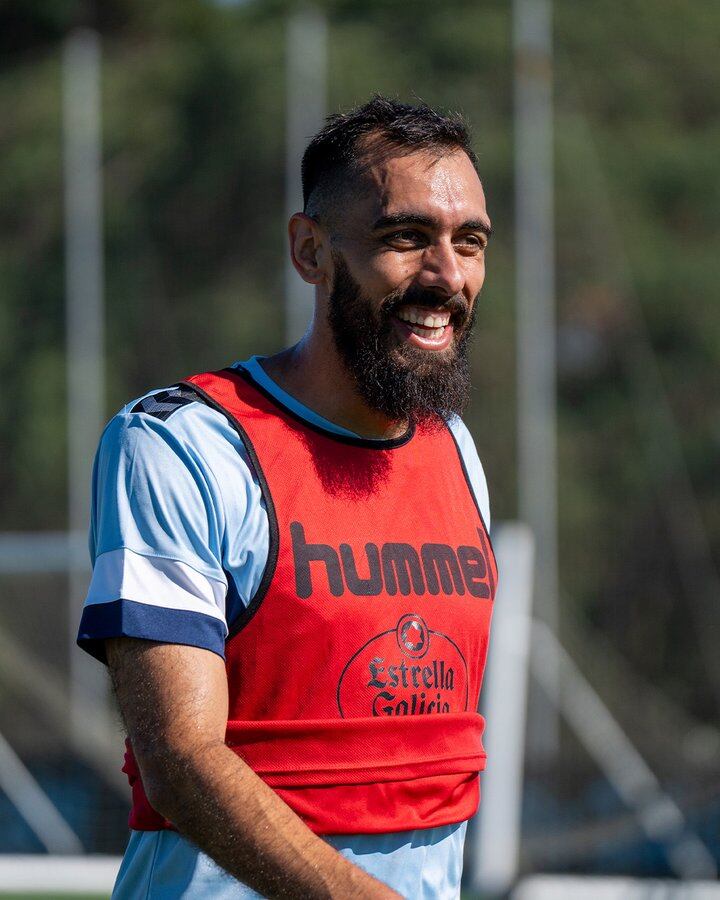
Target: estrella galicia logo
407,670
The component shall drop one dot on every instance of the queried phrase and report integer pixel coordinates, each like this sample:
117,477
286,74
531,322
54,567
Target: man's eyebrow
400,219
477,225
393,221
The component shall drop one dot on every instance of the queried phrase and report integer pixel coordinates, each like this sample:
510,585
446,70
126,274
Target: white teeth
433,334
416,317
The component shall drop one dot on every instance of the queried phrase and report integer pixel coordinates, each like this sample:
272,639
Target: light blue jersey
419,865
179,540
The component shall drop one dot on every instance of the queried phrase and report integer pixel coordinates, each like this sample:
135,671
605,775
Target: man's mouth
426,328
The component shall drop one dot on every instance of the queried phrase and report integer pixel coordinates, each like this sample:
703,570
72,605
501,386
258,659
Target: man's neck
319,380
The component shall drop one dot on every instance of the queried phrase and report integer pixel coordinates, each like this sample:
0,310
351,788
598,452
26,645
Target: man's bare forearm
174,703
218,802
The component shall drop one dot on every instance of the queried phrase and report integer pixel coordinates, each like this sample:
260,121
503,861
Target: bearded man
293,577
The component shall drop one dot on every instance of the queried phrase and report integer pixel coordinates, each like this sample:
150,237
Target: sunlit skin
419,220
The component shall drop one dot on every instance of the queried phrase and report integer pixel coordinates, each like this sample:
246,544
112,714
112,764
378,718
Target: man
292,572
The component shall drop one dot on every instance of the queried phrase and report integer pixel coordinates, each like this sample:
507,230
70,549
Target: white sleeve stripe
155,581
147,553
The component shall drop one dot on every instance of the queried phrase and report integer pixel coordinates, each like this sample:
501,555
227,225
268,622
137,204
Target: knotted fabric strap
369,775
357,776
300,753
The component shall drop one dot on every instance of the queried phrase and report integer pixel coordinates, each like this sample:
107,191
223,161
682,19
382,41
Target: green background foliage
193,104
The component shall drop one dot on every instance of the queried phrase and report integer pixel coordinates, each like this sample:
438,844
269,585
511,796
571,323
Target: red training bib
355,672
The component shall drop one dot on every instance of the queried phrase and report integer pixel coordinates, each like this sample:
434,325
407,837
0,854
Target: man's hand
174,702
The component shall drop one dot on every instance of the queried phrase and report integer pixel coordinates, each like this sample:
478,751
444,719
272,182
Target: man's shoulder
179,407
162,403
172,405
463,438
471,462
176,409
172,421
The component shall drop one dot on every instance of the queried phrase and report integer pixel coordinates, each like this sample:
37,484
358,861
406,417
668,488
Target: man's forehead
440,186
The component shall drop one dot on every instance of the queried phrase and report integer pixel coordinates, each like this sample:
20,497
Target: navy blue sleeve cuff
127,618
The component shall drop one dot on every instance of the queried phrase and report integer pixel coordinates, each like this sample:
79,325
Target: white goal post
73,875
583,887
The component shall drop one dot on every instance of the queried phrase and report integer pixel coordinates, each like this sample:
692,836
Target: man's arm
173,699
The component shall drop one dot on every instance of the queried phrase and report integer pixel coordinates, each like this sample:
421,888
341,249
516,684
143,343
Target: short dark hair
335,155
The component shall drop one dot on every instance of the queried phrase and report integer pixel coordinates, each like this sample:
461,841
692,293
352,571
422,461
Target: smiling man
293,577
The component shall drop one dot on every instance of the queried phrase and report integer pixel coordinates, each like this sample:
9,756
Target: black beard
396,379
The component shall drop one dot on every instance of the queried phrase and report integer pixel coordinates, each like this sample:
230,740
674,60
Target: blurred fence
61,789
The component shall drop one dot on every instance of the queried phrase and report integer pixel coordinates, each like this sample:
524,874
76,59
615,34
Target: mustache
457,305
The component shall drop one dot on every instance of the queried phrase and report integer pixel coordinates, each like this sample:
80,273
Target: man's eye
406,236
471,242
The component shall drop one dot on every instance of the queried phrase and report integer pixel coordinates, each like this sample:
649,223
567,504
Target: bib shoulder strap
231,395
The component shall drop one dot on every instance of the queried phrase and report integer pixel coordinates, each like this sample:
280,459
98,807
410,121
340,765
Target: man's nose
442,270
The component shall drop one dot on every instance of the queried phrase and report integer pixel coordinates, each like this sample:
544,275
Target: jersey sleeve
473,466
156,539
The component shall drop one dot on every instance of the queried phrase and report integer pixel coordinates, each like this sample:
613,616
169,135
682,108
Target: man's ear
309,249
